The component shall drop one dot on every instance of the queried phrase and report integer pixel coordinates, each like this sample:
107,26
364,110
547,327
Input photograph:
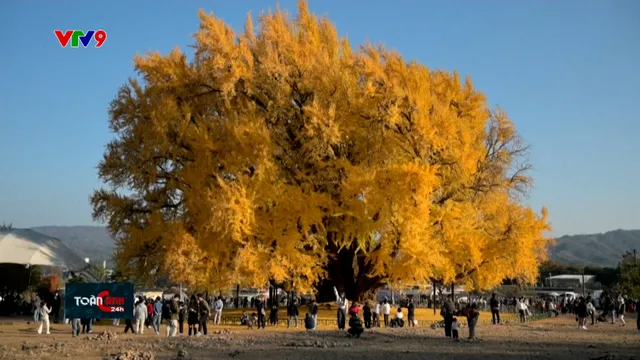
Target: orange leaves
277,148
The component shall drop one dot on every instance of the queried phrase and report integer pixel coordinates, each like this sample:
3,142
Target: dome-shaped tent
28,247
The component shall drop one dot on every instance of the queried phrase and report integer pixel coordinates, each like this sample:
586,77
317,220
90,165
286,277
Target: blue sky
567,72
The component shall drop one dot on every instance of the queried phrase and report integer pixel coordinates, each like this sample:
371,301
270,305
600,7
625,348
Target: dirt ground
557,338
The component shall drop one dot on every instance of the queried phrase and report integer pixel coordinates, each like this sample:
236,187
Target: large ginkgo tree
286,156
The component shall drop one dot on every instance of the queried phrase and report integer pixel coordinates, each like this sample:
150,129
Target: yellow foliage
276,152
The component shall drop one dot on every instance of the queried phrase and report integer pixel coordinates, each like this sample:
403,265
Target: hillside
93,242
595,249
605,249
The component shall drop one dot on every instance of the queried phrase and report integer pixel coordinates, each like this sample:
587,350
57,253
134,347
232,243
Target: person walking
75,327
172,321
44,318
128,324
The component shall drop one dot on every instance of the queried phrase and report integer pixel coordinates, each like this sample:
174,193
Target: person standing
366,313
192,315
472,320
157,315
447,313
582,312
386,310
217,311
411,313
44,318
262,313
292,312
621,309
140,316
149,318
376,314
181,315
495,309
204,310
522,310
454,329
343,306
313,310
273,315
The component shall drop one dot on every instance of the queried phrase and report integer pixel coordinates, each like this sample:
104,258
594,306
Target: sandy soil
557,338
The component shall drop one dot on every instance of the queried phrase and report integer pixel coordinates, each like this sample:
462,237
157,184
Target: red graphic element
108,301
63,38
100,37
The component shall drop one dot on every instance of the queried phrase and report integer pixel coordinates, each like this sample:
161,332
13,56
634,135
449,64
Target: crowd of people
198,310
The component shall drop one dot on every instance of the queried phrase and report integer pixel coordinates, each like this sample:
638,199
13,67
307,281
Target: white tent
28,247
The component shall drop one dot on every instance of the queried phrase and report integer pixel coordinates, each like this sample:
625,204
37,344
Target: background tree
629,281
19,278
286,157
4,226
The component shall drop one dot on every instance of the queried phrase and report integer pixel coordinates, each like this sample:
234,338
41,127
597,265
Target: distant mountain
605,249
595,249
93,242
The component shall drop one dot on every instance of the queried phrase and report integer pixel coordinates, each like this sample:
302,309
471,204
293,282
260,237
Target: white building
568,280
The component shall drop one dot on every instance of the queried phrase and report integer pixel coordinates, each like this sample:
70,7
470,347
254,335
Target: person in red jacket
149,313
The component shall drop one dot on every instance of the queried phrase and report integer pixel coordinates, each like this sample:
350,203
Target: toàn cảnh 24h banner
99,301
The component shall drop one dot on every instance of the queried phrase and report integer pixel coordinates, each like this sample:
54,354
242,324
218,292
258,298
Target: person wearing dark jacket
446,312
309,322
203,311
411,313
355,326
495,309
174,314
581,313
273,315
366,313
292,313
262,313
193,318
182,312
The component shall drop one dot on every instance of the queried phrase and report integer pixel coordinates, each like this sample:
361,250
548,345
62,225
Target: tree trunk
355,283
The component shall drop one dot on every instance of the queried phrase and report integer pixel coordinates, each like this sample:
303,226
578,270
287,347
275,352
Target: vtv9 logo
78,37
